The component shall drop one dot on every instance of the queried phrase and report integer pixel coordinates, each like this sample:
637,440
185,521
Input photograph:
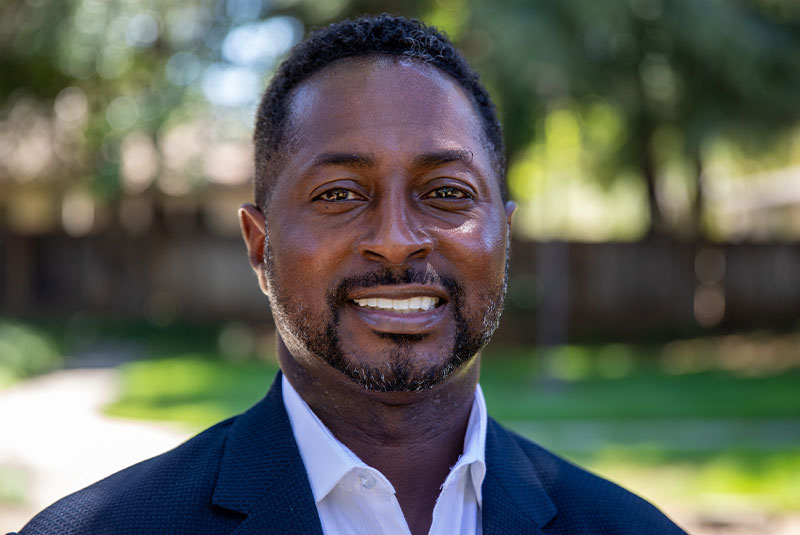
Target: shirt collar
474,455
327,460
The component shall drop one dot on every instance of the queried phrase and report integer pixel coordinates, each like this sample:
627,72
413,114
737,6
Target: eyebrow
362,160
346,159
442,157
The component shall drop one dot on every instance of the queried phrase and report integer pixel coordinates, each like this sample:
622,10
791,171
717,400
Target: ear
254,233
511,207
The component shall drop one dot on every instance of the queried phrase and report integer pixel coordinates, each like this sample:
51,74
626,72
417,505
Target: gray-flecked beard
397,373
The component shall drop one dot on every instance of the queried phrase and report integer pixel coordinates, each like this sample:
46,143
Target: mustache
388,277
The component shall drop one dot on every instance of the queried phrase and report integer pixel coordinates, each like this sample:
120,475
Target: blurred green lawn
713,439
200,388
705,437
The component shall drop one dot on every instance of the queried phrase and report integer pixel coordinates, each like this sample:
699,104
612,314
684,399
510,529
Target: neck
413,438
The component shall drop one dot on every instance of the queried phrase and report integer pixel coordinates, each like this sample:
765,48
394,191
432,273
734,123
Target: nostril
421,252
395,252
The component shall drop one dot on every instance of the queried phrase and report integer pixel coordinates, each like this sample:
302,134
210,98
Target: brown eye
448,192
338,194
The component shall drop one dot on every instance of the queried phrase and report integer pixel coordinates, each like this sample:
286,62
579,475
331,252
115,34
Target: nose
394,236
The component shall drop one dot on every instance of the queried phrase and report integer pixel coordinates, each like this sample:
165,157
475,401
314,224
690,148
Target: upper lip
398,291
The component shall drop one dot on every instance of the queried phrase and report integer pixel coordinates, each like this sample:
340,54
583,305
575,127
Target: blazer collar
262,475
514,499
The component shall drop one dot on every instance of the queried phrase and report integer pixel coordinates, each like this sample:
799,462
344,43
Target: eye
448,192
338,194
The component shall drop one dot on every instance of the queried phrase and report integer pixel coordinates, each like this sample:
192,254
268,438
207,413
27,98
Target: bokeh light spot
122,113
71,105
77,213
709,265
224,85
261,43
709,304
183,68
139,162
142,30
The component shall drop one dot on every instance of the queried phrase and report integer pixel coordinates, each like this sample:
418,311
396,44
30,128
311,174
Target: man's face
387,235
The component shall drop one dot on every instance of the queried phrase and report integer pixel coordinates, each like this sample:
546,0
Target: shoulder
172,489
585,502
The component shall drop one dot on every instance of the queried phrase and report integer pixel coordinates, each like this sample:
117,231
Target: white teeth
413,304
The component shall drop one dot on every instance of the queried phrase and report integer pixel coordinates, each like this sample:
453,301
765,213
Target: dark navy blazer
245,476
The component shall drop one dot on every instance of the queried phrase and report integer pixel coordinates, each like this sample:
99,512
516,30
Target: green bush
24,351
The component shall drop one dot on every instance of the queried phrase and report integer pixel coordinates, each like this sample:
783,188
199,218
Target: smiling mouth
422,303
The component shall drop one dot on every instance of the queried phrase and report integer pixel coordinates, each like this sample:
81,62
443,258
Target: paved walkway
55,440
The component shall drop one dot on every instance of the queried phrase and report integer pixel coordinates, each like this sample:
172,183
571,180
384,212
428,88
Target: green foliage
25,350
139,94
196,389
679,64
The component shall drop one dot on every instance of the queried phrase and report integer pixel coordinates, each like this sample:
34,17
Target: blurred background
652,329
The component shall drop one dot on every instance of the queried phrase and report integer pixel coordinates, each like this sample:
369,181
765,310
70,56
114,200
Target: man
380,235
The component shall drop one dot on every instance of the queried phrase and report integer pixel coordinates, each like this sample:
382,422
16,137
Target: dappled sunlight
558,184
746,354
196,389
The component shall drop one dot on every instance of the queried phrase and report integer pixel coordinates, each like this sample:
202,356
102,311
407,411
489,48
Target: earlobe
254,230
511,208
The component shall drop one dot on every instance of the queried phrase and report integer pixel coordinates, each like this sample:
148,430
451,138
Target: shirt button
367,481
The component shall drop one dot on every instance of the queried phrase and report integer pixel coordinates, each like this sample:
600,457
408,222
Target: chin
402,367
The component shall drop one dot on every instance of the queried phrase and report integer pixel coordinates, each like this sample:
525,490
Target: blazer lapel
262,474
513,498
262,477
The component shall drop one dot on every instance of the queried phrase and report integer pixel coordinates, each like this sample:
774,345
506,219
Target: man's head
387,224
367,36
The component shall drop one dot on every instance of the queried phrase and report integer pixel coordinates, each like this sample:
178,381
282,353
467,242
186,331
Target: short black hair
369,35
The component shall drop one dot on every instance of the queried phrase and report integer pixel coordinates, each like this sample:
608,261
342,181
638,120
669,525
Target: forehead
382,103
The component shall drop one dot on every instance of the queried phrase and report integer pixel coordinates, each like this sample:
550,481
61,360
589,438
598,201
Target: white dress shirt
354,498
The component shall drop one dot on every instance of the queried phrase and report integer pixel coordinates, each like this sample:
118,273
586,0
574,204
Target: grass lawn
709,434
195,388
712,439
200,388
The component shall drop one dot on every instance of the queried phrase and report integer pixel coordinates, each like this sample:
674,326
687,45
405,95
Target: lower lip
393,322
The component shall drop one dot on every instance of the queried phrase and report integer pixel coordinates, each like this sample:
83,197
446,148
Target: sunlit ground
701,427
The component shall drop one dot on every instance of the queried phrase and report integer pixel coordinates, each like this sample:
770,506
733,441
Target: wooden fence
558,291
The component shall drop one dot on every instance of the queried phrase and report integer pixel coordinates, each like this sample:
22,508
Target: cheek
483,241
294,260
477,253
305,261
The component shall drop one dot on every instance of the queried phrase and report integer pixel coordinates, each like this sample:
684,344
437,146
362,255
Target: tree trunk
647,166
698,203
